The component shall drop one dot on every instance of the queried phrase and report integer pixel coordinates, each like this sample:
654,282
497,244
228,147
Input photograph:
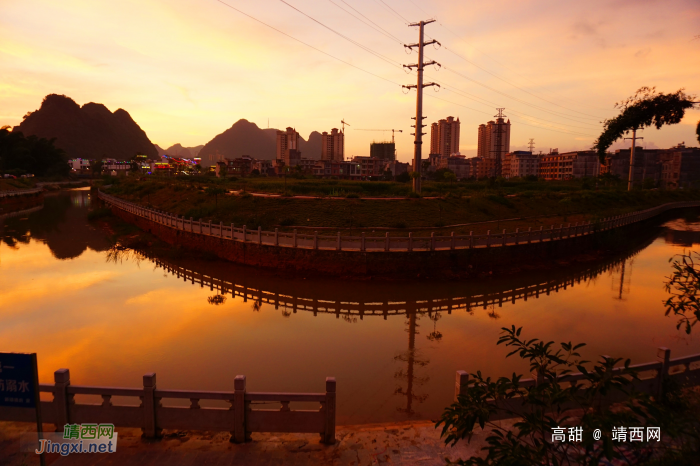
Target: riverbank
404,443
479,212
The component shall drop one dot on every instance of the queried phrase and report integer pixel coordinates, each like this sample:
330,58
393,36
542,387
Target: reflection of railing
20,213
387,243
678,370
20,192
385,308
151,416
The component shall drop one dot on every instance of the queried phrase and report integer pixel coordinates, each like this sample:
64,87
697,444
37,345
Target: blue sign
17,380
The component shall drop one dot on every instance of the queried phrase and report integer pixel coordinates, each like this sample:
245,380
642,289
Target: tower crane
392,131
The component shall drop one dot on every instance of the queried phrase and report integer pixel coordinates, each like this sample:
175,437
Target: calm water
393,347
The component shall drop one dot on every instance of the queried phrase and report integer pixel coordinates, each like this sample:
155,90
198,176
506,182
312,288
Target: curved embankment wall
18,200
442,262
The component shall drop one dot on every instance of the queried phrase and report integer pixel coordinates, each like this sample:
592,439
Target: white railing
678,370
388,243
143,408
20,192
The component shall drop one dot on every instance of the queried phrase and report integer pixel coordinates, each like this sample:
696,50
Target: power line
519,122
393,11
447,86
366,49
496,61
377,28
516,99
518,87
307,44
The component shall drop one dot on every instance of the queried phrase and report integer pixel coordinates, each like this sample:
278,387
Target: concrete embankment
355,263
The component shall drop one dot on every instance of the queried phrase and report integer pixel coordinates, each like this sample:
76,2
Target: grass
528,208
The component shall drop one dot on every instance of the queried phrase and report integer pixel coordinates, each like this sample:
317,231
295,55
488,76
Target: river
393,347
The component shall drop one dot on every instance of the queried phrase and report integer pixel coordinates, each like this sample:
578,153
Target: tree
449,176
684,286
645,108
96,167
31,155
215,191
546,405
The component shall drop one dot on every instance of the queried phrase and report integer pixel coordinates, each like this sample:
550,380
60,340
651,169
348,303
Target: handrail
19,192
388,243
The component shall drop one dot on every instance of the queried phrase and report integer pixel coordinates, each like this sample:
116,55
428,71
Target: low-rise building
519,164
457,164
680,167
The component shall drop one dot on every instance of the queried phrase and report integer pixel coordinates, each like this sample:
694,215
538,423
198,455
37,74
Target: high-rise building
444,137
287,141
383,151
494,139
333,146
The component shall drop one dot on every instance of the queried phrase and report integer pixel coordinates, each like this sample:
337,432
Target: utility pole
531,144
634,143
419,100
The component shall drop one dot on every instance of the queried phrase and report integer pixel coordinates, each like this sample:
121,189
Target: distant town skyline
186,71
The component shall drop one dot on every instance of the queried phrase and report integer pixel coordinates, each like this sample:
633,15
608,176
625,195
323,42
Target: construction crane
392,131
342,122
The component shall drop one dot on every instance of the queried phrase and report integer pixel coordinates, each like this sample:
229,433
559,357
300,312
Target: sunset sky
187,70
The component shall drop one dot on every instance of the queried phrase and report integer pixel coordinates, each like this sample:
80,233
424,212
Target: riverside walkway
386,243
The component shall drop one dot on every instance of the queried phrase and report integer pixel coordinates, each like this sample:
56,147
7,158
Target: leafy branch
684,285
645,108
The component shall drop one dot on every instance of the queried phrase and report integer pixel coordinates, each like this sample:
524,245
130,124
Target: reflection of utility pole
411,359
419,99
634,143
624,287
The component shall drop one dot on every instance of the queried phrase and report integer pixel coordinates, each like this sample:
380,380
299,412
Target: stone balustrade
678,370
143,408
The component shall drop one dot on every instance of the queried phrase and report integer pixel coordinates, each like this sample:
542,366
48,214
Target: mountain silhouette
245,138
88,132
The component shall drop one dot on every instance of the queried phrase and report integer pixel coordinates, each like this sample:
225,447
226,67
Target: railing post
529,235
277,237
200,226
61,400
209,232
221,229
664,355
386,242
259,234
488,238
315,239
339,246
191,224
148,405
471,239
503,238
329,408
410,241
295,238
432,241
233,236
244,238
461,383
239,410
362,244
452,240
517,232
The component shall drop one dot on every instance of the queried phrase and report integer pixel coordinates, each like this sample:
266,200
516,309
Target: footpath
407,443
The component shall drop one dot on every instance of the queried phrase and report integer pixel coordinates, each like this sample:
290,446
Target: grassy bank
519,210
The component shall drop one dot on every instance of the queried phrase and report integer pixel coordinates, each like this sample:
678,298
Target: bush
97,214
546,405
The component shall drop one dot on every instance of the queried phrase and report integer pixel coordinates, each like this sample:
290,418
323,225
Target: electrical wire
307,44
394,11
366,49
376,28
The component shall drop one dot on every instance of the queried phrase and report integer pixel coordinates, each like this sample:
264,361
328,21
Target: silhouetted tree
645,108
31,155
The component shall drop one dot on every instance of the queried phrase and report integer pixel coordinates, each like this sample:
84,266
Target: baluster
194,403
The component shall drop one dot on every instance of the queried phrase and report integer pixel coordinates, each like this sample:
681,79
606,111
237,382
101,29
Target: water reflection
112,314
61,223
